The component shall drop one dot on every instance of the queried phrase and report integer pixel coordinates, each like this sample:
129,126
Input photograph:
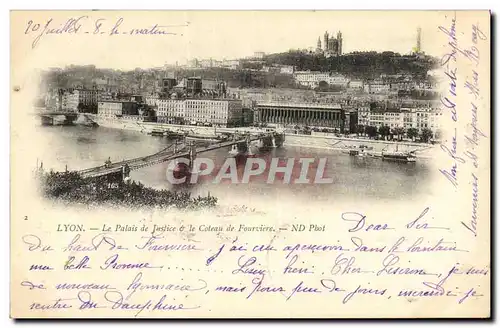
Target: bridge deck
164,155
54,113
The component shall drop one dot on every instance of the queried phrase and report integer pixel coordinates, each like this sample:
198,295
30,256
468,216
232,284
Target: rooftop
300,105
199,98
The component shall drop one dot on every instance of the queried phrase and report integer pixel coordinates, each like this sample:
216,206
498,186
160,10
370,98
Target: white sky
220,34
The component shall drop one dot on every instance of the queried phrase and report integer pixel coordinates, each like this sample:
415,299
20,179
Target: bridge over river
170,153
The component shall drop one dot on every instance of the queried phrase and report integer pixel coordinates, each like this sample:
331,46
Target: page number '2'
25,218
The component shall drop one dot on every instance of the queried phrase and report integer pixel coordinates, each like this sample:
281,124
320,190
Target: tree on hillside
250,65
322,86
360,64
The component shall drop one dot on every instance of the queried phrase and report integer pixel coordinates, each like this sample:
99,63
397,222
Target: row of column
299,116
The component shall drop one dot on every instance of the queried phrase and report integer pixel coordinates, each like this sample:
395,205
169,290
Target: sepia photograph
250,164
374,117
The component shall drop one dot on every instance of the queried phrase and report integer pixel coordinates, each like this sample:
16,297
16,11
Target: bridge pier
233,151
192,155
278,139
273,141
253,147
182,170
47,120
245,148
267,142
241,147
58,118
126,173
250,146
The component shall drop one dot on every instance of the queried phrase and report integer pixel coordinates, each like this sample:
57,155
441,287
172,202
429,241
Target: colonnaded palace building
324,115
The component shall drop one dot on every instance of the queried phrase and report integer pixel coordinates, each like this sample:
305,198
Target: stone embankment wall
323,141
332,142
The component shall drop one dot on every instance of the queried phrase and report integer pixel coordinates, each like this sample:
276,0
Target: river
354,179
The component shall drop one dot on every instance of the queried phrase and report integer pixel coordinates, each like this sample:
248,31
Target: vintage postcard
250,164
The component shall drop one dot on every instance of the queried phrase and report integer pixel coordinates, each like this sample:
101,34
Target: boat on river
207,138
399,156
360,151
90,124
157,133
175,135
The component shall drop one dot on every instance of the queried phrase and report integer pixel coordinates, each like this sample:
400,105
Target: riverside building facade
312,79
88,97
69,101
199,111
405,117
116,108
171,111
320,115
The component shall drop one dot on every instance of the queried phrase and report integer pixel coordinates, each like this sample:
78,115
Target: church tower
318,47
339,39
325,41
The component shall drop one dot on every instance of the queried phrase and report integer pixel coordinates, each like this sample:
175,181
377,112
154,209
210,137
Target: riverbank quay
319,141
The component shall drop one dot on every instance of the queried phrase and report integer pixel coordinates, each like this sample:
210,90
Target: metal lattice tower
419,40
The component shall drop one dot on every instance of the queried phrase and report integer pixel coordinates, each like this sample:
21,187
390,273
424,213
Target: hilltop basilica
331,46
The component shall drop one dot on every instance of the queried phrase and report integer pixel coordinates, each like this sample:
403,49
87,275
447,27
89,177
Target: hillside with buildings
270,71
363,65
145,80
320,88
